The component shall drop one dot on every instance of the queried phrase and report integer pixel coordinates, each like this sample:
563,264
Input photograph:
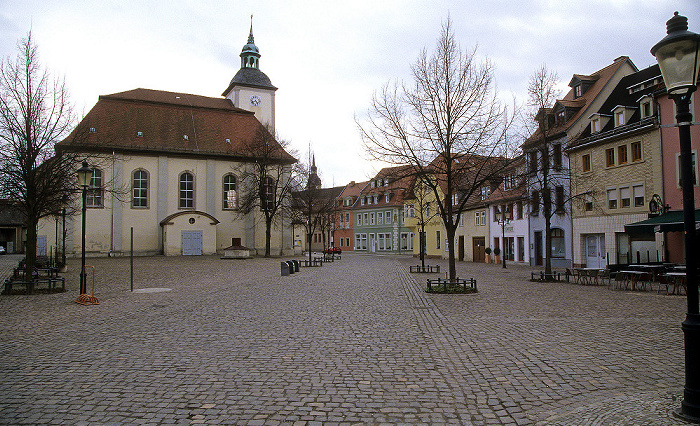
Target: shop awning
668,222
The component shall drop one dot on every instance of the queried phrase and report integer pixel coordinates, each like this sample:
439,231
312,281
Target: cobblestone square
354,341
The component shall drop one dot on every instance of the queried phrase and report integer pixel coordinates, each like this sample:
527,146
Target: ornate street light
84,175
677,54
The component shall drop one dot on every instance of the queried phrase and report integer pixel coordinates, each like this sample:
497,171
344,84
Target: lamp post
84,175
677,55
505,218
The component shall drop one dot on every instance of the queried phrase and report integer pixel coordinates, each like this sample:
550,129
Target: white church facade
170,166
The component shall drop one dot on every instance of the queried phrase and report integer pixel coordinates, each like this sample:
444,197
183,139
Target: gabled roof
629,90
154,121
353,189
600,79
400,181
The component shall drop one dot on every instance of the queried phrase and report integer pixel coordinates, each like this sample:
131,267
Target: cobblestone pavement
354,341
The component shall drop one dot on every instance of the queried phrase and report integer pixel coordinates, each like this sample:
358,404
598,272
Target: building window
365,219
139,189
267,200
577,91
371,218
638,193
586,160
230,198
359,219
559,192
545,158
519,209
620,119
622,154
387,217
557,156
410,211
485,191
476,218
646,109
437,239
588,203
610,157
483,218
625,200
380,218
94,192
595,126
612,198
532,159
694,168
558,245
636,148
535,203
186,191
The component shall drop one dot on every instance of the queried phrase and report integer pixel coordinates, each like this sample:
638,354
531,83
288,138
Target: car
333,250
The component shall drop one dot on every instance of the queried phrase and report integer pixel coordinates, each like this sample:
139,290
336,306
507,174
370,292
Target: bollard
296,265
285,268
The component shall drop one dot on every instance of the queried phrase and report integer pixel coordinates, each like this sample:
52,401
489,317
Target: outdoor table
588,275
631,278
654,269
678,280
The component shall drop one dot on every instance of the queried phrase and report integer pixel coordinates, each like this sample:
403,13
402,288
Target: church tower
250,88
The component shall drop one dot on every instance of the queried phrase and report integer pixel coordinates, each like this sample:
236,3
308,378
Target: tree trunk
548,244
30,252
421,242
268,235
451,251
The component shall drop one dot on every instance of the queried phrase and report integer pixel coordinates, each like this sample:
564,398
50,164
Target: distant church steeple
314,181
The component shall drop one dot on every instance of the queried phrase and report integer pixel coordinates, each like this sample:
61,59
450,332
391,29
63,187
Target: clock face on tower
255,100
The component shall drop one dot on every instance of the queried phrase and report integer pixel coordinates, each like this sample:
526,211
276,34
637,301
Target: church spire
250,55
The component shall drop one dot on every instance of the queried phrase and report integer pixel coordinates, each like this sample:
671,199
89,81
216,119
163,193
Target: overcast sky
326,57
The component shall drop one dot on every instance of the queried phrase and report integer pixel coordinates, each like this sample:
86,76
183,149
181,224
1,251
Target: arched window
186,191
230,195
558,246
94,193
139,191
267,201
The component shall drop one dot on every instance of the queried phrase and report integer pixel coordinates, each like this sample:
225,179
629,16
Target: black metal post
690,407
83,284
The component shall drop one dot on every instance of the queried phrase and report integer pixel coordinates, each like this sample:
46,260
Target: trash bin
291,266
285,268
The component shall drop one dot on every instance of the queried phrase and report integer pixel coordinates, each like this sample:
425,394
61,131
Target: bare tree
421,211
448,122
35,114
269,180
546,172
313,206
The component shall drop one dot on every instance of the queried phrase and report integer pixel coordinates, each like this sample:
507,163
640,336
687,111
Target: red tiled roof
163,119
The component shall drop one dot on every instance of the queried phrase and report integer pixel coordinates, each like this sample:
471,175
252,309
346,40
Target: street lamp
505,217
677,55
84,175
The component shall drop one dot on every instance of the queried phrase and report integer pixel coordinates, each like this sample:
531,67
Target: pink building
670,151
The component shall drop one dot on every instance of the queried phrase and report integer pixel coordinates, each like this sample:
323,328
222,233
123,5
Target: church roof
252,77
159,122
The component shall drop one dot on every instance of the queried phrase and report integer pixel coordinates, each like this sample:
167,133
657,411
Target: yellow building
421,215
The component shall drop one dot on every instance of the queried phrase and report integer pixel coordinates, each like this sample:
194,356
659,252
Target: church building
171,167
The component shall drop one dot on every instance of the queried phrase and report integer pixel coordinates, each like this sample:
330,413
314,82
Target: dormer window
595,125
619,118
92,130
577,91
139,134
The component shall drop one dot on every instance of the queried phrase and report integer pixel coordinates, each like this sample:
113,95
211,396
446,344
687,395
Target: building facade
171,166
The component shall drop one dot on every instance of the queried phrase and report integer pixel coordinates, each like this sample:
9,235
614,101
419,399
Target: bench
317,261
424,269
50,282
453,283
